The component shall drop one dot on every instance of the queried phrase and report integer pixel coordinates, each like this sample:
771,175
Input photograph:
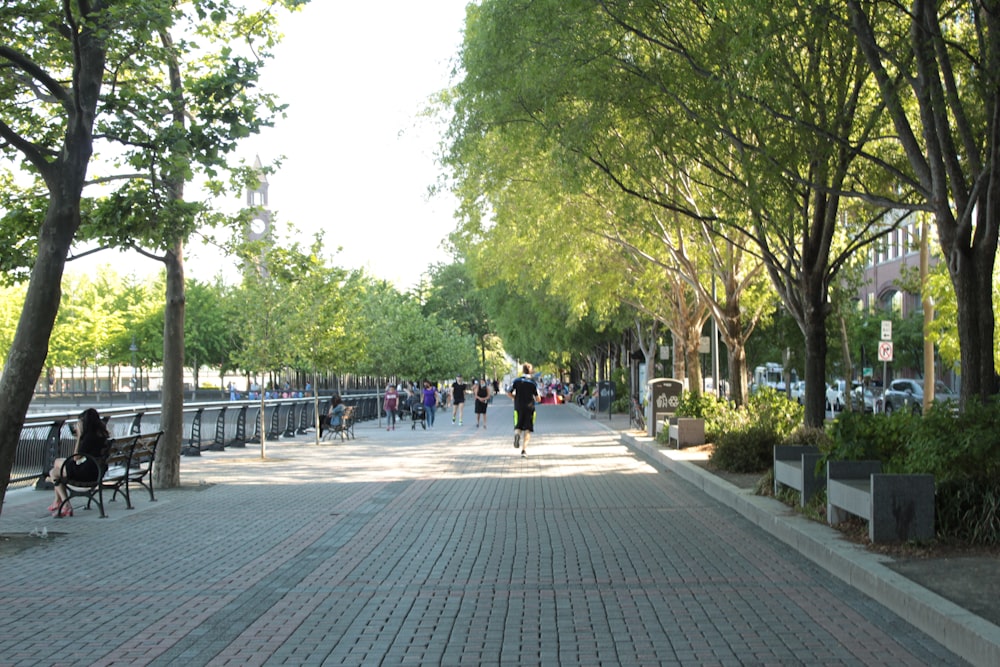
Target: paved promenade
437,547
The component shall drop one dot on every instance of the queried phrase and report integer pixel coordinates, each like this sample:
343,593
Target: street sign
885,350
887,330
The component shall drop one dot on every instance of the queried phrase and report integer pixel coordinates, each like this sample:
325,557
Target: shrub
746,436
858,436
704,406
810,435
775,411
957,445
962,451
968,510
745,450
619,377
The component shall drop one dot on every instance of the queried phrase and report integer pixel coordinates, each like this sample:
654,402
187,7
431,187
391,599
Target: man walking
524,391
457,399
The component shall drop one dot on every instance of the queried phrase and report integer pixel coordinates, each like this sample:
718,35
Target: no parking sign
885,350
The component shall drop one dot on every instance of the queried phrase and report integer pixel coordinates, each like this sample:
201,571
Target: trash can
664,395
605,395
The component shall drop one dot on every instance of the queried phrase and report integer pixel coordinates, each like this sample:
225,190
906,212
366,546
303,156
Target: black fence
208,426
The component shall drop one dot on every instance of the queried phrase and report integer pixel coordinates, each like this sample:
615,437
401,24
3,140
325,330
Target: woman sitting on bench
335,417
91,445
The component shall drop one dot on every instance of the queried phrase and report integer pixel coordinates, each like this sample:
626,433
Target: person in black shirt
481,391
458,399
524,391
85,464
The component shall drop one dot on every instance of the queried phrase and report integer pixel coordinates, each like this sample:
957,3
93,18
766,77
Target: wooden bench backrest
119,455
144,452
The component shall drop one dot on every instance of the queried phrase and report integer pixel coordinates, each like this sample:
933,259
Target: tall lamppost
133,349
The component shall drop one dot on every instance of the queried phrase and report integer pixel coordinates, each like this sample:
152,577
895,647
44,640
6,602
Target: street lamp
133,349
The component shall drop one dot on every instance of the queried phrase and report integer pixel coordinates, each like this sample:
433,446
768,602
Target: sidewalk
902,587
443,546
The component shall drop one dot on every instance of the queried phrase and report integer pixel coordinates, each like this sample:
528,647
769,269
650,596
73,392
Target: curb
960,631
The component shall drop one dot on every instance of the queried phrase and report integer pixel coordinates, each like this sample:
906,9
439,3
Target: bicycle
636,415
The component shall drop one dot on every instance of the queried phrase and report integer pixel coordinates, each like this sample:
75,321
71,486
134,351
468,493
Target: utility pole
928,306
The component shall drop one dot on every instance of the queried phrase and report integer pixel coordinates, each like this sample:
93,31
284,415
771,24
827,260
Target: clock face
258,226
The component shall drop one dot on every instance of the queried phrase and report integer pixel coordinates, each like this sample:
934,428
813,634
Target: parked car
798,392
835,396
907,394
867,399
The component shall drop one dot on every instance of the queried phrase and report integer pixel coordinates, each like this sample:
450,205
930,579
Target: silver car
867,399
907,394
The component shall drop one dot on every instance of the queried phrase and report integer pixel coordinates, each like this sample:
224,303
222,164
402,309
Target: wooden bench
345,429
898,508
795,467
134,466
687,431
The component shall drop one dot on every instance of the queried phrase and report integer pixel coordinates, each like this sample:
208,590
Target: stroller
418,415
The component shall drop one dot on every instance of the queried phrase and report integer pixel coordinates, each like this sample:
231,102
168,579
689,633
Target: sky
358,157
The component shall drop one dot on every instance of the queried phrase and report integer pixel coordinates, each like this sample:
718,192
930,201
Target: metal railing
208,426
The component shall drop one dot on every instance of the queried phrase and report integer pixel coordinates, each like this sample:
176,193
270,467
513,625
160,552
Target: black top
525,390
93,444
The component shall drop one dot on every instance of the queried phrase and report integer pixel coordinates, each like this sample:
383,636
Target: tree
318,315
768,107
454,297
179,109
936,65
207,335
50,84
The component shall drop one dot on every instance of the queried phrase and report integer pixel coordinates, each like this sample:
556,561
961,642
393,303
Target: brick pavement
437,547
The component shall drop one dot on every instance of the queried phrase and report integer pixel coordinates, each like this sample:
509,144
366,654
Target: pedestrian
85,463
524,391
430,402
390,404
458,388
481,390
334,416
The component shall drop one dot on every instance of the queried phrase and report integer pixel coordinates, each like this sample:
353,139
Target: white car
835,395
798,392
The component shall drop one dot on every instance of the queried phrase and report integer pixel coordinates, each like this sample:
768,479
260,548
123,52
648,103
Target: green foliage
969,510
747,449
704,406
858,436
957,445
809,435
961,450
746,437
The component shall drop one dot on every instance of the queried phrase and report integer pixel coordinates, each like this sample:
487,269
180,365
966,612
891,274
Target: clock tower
260,224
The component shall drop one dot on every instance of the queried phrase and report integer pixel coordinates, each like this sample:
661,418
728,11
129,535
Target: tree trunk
64,177
691,358
736,353
972,276
168,459
29,348
816,348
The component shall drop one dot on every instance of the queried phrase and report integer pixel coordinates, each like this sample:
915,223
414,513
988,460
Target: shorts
480,408
524,418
